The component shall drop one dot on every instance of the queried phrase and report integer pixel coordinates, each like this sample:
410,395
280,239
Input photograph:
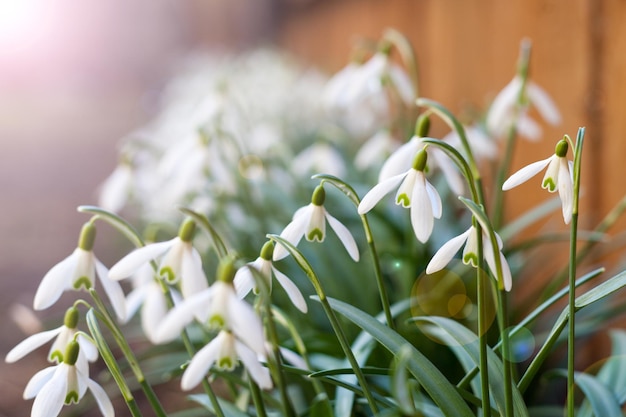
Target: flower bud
71,318
226,269
187,229
422,126
71,352
267,251
561,148
419,163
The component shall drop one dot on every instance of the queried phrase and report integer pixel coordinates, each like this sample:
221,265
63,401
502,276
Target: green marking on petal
56,355
315,234
226,364
404,200
71,397
82,282
216,321
470,259
549,184
167,274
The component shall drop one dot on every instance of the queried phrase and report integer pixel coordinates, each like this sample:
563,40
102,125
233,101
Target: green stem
482,326
334,322
506,351
257,398
278,368
111,363
128,354
498,194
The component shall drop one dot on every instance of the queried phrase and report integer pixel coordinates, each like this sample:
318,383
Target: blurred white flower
79,270
64,383
180,261
414,192
482,145
510,108
245,281
558,176
310,222
319,158
116,189
224,351
470,254
375,150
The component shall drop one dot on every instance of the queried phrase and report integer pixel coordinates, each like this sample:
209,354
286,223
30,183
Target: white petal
38,380
501,107
374,149
181,315
527,127
31,343
50,399
87,348
421,210
447,167
193,279
258,372
201,362
153,311
292,358
525,174
55,282
435,200
445,254
244,281
103,401
134,300
403,84
344,236
379,191
544,104
401,160
294,231
245,324
491,262
316,224
566,190
126,266
113,290
291,289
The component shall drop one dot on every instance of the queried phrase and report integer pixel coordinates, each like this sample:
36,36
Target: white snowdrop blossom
62,336
482,145
470,254
224,351
375,150
79,270
414,192
117,188
148,294
507,110
180,261
310,222
320,157
245,281
65,383
402,158
558,176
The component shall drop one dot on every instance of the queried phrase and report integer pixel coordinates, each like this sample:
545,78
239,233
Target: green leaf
442,392
229,409
401,386
602,400
602,290
458,337
320,406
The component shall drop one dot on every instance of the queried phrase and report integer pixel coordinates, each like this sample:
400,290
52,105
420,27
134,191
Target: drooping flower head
180,261
63,336
244,278
414,192
79,270
470,254
558,176
65,383
310,222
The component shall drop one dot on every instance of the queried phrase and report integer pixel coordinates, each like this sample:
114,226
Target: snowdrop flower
483,146
64,335
414,192
245,281
148,294
558,176
310,222
320,157
470,254
402,159
219,308
225,351
65,383
116,189
506,109
180,262
375,149
78,270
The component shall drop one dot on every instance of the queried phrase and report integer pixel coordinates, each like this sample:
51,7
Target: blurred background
75,77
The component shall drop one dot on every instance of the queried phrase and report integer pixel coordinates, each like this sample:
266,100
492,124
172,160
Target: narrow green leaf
443,393
456,336
229,409
320,406
401,386
602,400
602,290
